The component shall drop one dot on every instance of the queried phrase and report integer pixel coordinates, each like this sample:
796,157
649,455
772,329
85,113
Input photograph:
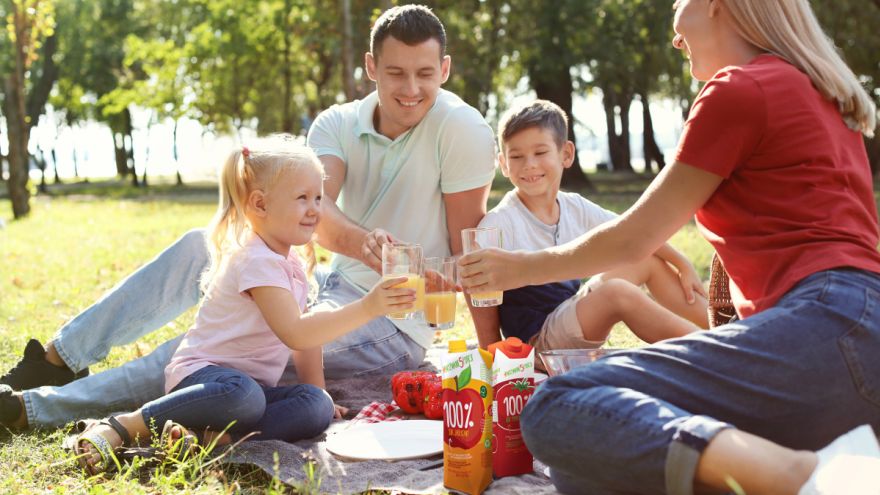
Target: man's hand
371,249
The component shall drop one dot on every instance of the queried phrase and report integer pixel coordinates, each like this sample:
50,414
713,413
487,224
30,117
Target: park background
115,114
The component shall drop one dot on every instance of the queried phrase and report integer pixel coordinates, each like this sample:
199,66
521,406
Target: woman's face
694,34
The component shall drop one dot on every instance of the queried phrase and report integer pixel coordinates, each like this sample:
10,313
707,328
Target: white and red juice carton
513,381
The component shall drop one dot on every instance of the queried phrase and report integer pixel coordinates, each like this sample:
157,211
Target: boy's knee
612,293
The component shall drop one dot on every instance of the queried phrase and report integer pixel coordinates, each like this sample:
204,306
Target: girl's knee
317,413
245,402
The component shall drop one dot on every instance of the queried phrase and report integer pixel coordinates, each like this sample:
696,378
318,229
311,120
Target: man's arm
335,231
464,210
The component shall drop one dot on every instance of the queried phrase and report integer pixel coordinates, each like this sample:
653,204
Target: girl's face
292,208
695,34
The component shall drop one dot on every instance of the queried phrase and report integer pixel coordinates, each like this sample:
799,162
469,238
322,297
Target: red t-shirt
797,196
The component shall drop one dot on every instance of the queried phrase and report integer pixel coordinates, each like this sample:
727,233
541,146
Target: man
409,162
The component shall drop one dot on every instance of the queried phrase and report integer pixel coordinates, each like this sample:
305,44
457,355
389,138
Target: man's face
407,79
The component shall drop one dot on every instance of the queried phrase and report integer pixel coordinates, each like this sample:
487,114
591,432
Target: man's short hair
540,113
410,24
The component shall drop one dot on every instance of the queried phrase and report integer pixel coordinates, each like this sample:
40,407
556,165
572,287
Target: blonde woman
773,164
227,367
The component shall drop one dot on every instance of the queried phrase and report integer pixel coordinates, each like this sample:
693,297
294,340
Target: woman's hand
493,269
384,298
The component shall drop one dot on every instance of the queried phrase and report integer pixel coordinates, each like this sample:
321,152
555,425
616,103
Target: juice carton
513,381
467,419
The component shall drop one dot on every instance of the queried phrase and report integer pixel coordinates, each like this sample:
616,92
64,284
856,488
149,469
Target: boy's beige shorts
561,329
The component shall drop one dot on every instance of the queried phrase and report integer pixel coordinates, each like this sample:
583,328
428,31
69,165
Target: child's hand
338,411
384,298
691,284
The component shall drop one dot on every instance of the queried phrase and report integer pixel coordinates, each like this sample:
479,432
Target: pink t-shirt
229,330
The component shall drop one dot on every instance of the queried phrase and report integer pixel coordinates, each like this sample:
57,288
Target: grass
80,241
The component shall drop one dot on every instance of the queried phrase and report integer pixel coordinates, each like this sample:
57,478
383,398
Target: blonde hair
790,30
249,169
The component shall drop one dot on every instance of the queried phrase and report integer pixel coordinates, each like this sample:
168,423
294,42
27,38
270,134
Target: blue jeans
798,374
215,397
159,292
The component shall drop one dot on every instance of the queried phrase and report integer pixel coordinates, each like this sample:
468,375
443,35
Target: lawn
79,242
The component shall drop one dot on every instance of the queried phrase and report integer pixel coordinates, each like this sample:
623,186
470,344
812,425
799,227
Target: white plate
390,440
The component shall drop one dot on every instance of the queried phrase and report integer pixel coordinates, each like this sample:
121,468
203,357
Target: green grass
80,241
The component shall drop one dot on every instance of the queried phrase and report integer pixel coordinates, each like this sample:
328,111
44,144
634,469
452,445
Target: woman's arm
668,203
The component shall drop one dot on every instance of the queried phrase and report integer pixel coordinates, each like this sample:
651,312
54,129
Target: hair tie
245,152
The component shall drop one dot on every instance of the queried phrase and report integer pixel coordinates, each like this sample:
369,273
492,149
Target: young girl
226,370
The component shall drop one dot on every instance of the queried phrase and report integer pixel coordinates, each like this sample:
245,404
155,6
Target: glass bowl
559,361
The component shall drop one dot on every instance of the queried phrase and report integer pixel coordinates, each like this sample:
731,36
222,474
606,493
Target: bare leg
53,357
140,433
617,300
663,284
757,465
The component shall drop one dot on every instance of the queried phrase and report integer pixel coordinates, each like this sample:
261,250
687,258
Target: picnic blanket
289,461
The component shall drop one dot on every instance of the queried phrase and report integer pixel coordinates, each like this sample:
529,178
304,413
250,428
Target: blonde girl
773,164
226,369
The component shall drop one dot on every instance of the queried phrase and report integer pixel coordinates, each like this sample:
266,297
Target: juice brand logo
461,362
522,368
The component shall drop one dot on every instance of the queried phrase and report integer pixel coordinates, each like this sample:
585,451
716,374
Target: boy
536,215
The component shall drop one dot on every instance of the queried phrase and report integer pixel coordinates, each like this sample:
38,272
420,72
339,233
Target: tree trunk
873,148
347,52
286,71
16,120
617,107
176,161
652,151
558,87
55,164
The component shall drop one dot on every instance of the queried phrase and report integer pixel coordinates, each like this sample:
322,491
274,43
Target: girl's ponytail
229,223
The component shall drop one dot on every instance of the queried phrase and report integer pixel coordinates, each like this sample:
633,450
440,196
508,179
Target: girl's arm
304,331
668,203
309,365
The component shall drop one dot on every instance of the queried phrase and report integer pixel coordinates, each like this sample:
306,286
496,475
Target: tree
30,26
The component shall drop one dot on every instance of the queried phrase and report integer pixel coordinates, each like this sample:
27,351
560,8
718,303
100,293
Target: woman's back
797,197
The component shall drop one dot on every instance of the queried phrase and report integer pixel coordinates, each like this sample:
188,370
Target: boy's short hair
539,113
410,24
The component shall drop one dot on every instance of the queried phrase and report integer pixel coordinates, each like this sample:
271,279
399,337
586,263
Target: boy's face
408,79
534,163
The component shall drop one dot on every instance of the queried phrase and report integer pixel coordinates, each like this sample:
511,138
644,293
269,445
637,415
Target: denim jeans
215,397
798,374
159,292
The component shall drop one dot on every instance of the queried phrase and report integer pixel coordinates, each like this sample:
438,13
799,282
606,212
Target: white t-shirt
230,330
522,230
397,185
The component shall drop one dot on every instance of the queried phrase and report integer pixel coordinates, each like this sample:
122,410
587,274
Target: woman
772,163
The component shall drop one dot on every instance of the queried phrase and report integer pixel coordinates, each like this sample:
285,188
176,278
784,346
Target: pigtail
229,224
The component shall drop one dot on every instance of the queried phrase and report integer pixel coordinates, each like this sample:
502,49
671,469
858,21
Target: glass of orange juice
440,292
405,260
473,240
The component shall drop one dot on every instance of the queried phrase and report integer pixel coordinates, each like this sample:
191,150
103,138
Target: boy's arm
487,324
687,274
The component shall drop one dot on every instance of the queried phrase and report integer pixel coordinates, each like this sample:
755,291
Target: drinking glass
479,238
440,292
405,260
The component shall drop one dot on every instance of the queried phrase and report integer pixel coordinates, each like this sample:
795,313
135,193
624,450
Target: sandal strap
120,430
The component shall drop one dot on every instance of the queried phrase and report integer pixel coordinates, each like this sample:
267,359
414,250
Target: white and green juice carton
467,418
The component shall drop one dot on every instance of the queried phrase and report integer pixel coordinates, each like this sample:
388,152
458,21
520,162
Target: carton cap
457,346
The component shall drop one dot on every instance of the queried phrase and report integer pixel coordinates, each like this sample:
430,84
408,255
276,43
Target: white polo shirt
397,185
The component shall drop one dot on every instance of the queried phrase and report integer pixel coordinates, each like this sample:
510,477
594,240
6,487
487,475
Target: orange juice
440,308
487,298
413,281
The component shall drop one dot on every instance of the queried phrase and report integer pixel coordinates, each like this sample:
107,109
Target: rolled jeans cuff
688,444
73,364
